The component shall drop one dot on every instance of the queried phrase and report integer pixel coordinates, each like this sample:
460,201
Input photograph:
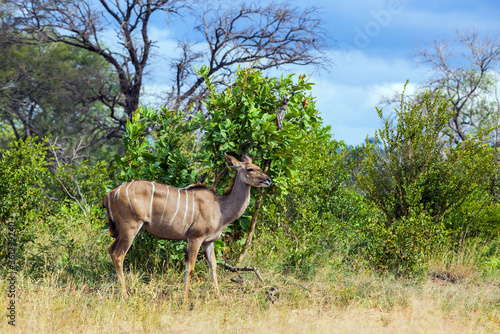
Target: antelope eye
249,170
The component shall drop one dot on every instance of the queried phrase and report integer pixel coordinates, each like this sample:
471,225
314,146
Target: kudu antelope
195,214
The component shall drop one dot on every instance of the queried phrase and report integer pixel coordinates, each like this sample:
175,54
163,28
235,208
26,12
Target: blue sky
374,53
372,49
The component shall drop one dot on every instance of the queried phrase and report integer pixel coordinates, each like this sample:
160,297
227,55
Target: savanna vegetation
401,234
410,237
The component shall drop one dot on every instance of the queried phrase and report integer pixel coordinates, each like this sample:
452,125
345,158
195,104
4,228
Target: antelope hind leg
208,249
118,249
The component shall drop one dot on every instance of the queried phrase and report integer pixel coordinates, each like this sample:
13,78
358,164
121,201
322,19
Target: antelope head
248,172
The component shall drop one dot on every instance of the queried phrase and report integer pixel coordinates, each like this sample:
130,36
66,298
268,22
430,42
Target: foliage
81,187
266,118
37,204
46,85
159,146
243,119
320,215
417,179
23,172
479,216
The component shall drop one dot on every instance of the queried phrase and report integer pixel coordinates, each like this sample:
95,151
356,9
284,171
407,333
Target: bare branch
269,36
281,115
466,66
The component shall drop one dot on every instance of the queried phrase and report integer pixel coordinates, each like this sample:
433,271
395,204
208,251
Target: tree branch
238,269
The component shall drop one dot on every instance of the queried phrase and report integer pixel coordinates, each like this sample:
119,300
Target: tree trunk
252,228
253,223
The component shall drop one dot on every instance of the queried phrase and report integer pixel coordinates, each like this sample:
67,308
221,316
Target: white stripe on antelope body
195,214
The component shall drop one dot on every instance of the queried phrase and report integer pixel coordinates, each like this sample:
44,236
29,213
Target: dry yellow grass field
329,303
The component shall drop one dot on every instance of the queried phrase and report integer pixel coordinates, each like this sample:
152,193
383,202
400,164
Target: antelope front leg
208,249
192,251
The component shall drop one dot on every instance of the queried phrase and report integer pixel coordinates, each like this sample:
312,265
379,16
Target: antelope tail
113,230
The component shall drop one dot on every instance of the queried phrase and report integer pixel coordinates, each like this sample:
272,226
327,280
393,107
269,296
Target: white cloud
347,97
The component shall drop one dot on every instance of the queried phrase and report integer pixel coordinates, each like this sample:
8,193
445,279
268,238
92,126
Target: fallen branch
302,286
238,269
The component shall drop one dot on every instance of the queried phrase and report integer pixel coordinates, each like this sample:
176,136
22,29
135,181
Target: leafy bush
54,220
267,118
244,119
80,187
23,174
159,146
418,178
319,218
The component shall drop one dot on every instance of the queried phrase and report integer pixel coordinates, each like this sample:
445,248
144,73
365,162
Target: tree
467,66
48,90
78,24
264,117
417,178
271,34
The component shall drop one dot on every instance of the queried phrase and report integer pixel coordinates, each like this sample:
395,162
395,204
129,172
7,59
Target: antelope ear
246,158
232,162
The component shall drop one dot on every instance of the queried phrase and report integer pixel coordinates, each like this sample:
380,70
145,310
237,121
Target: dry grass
330,303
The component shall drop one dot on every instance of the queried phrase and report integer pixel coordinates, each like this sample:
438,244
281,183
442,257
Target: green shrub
419,179
320,216
267,118
80,187
55,220
23,175
159,146
244,119
404,248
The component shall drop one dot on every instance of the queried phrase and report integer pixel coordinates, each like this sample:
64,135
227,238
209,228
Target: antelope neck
233,204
